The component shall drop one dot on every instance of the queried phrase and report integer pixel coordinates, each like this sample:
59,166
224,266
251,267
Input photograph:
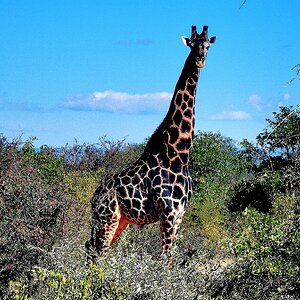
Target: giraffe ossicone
158,185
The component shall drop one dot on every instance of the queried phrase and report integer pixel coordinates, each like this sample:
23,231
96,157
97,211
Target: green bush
278,150
216,165
87,165
49,166
216,158
207,211
90,284
31,210
256,192
269,247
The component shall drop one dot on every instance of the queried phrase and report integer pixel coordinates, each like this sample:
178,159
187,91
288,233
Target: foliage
50,168
239,238
266,238
266,242
91,284
269,248
256,192
206,211
31,210
283,133
215,164
275,163
278,149
88,165
107,155
35,199
216,158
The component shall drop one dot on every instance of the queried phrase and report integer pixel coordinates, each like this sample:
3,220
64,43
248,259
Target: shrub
44,201
256,192
217,159
134,269
207,212
269,248
80,186
31,210
49,166
110,156
278,149
90,284
215,165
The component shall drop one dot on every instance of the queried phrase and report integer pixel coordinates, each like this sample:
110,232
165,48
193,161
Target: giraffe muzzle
200,63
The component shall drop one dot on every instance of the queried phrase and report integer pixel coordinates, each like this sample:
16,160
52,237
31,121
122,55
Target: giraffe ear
212,40
186,40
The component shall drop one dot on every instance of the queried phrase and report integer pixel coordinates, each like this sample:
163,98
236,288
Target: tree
282,136
215,158
276,158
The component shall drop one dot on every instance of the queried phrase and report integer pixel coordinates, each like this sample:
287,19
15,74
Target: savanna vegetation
239,240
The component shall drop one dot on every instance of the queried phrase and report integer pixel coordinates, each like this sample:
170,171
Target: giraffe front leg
105,223
169,225
101,239
96,244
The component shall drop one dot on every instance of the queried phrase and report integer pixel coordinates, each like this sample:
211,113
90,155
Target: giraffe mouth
200,62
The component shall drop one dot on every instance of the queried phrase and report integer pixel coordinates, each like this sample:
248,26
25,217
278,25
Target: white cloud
255,101
231,115
17,106
287,96
113,101
283,100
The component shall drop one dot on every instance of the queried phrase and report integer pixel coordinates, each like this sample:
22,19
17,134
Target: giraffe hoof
91,259
91,256
88,245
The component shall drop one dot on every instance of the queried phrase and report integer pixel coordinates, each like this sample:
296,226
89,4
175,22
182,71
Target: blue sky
84,69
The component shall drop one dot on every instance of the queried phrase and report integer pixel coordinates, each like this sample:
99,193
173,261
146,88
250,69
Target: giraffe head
199,44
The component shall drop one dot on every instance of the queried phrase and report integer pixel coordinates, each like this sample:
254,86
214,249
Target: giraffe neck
173,138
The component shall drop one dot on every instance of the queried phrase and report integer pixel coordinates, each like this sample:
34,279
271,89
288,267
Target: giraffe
157,186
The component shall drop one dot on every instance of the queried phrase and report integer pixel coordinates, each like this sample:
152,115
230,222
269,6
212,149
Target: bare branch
244,2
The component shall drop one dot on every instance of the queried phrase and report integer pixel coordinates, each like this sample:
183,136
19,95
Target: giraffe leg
169,225
105,223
